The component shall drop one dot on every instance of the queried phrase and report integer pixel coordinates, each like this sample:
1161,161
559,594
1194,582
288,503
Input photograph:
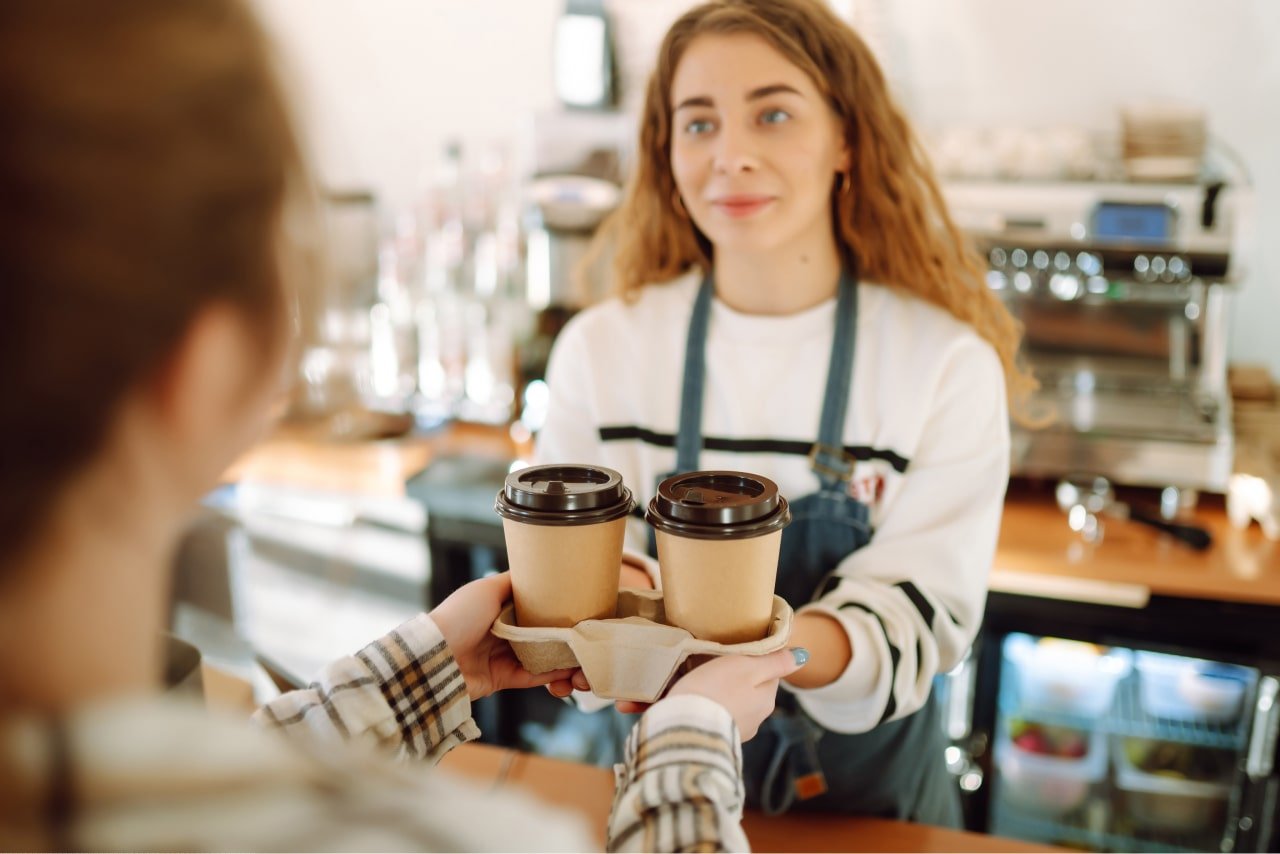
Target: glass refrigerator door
1113,749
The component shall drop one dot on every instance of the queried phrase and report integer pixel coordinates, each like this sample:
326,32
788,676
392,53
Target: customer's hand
487,662
746,685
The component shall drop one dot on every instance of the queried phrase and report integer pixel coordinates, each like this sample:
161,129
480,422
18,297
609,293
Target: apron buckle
831,461
810,785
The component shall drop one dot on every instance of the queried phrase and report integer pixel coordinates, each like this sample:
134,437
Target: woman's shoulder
904,320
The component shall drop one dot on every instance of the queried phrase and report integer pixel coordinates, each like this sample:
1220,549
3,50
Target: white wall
1032,64
385,82
382,85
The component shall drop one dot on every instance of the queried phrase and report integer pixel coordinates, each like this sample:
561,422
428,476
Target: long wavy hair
891,223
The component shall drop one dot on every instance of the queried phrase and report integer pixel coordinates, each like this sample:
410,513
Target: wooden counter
293,456
1037,553
588,791
1037,549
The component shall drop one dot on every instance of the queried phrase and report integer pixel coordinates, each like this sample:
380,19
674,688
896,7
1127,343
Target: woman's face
755,149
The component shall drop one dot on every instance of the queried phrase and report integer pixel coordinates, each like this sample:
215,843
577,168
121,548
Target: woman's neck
782,281
80,616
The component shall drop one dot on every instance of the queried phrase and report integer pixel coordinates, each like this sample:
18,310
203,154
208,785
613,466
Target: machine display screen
1126,221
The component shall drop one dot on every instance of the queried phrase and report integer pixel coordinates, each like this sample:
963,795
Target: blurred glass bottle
496,314
333,312
437,308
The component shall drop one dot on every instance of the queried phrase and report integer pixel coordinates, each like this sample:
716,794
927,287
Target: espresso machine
1123,289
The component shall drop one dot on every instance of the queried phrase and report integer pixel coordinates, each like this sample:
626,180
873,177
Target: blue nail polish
800,654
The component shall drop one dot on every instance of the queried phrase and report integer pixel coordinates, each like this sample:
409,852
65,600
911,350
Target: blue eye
774,117
698,127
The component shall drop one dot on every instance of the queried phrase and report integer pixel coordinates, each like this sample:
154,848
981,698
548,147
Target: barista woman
795,301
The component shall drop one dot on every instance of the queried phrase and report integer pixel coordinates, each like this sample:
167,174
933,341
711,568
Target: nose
734,152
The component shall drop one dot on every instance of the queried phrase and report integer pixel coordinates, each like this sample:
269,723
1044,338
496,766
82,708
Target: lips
741,205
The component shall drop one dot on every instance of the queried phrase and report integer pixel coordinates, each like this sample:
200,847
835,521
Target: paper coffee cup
718,536
564,526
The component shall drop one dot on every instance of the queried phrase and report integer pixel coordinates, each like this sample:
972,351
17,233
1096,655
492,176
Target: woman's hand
487,662
746,685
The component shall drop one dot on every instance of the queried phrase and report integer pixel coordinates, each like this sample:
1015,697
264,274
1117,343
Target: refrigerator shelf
1072,831
1231,735
1128,718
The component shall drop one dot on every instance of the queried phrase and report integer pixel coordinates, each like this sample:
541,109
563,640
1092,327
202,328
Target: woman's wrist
634,576
828,645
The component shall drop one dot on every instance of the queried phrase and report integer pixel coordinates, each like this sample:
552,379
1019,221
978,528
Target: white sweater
927,409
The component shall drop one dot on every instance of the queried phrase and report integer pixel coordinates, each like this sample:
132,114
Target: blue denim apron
895,770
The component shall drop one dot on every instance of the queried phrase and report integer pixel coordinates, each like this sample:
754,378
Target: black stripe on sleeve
927,611
917,598
748,446
832,582
895,656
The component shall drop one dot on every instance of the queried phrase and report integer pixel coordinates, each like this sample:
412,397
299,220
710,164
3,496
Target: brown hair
892,222
145,159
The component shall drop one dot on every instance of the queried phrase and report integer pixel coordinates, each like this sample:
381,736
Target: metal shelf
1132,719
1126,717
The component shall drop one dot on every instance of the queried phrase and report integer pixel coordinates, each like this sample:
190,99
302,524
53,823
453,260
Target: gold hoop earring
845,182
678,204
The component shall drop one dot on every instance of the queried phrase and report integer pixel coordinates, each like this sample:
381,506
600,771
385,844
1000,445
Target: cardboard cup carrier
718,535
564,525
634,656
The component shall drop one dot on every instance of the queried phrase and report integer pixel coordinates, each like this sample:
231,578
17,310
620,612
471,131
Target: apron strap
827,457
689,436
794,771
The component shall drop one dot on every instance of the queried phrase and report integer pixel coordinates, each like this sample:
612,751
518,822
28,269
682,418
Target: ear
844,152
209,396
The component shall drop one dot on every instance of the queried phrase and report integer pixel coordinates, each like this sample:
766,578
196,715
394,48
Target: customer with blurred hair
147,161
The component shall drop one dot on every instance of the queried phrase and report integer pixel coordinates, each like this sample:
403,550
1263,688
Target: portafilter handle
1193,535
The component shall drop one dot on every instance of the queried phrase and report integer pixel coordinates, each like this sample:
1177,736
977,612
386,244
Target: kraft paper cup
717,590
718,535
564,526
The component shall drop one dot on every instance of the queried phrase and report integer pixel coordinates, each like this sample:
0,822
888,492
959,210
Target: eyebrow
753,95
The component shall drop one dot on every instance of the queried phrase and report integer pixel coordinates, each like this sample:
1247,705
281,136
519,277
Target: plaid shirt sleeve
680,785
403,693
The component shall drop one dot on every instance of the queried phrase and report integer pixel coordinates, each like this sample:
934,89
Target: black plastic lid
715,505
563,494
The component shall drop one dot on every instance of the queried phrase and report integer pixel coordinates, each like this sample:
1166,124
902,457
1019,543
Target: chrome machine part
1123,291
1260,758
957,722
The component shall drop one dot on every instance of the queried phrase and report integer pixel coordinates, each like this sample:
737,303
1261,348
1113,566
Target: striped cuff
680,788
682,731
421,682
